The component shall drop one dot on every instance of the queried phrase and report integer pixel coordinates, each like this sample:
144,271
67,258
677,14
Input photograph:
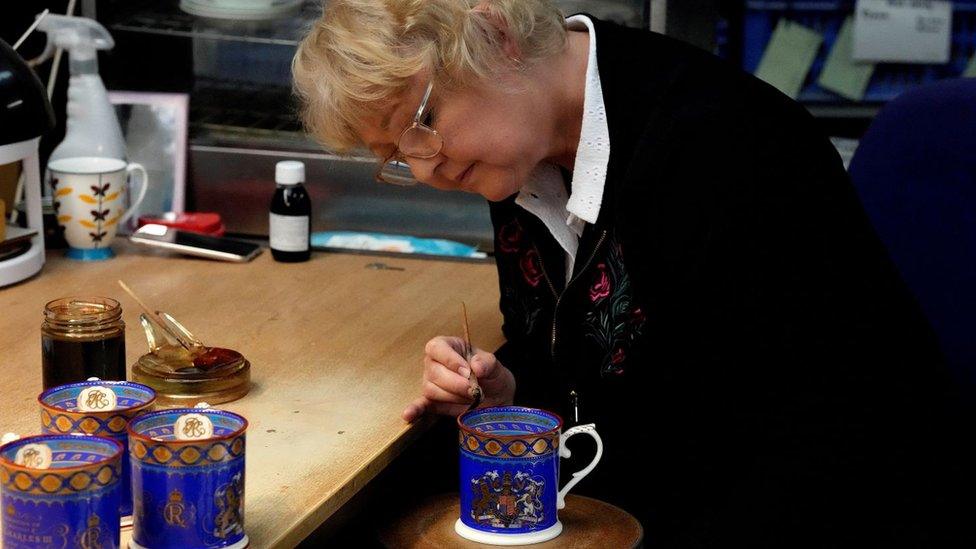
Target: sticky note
902,31
788,57
841,74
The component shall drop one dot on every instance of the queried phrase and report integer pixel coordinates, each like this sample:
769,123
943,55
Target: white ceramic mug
89,201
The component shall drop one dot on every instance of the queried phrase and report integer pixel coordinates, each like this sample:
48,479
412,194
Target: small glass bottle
291,211
82,337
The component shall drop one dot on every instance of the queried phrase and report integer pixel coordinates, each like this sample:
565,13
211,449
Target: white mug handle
135,167
564,452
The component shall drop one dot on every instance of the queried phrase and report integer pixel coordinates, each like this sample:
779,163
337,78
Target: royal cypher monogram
33,458
91,537
193,428
97,400
174,509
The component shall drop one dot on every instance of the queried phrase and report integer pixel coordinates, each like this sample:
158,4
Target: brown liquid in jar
82,338
68,361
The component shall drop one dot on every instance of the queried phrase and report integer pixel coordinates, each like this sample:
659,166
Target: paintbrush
474,390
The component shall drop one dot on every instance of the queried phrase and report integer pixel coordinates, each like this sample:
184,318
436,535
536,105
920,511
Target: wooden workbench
335,349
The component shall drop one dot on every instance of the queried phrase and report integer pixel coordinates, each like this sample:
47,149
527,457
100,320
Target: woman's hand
445,382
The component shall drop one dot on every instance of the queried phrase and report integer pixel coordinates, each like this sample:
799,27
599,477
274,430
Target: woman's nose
423,168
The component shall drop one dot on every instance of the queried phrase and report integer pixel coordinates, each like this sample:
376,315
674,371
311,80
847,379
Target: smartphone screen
195,244
226,245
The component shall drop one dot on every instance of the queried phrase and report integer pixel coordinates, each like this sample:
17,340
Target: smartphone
213,247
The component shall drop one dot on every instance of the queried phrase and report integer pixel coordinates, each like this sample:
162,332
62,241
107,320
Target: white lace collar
544,194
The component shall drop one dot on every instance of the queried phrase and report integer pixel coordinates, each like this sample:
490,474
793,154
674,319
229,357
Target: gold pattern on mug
90,538
228,500
174,509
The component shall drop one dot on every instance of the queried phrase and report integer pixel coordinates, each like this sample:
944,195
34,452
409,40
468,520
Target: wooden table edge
329,504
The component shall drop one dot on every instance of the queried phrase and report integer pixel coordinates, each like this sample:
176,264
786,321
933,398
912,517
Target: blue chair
915,170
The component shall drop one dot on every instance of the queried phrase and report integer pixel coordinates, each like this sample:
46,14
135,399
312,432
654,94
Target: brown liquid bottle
291,214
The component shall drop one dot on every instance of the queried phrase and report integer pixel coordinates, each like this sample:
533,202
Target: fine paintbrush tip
473,388
467,332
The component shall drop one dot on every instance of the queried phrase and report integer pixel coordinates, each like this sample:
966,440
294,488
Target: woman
682,261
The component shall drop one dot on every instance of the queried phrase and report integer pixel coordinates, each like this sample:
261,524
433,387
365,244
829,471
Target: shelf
168,20
244,110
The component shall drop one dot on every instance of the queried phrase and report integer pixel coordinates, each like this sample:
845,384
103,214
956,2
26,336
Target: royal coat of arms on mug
510,474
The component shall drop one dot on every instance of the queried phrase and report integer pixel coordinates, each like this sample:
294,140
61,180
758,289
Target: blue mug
510,474
60,491
188,479
100,408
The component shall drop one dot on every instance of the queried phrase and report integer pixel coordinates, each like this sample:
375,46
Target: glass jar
82,337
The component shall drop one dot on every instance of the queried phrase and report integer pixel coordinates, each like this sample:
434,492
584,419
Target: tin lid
179,379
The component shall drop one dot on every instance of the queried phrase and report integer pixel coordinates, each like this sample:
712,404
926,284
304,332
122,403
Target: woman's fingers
420,406
497,381
484,365
433,393
415,409
447,351
442,376
446,388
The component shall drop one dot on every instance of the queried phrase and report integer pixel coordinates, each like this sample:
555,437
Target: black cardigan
758,371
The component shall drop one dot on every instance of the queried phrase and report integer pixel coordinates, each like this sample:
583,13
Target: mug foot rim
492,538
239,545
90,254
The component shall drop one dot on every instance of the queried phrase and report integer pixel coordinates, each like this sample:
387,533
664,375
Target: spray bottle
92,126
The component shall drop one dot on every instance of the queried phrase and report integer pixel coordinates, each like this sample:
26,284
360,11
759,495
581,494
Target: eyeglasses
417,141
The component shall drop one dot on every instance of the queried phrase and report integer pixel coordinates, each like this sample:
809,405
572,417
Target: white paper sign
902,31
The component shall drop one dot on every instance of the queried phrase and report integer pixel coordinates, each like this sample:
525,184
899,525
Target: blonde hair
361,54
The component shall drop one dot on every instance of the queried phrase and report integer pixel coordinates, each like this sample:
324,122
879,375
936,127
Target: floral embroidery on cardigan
518,302
615,321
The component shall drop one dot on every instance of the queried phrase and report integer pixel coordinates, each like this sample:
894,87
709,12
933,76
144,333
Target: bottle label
289,233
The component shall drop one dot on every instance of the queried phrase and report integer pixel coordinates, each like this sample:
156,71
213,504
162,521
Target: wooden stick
30,29
152,314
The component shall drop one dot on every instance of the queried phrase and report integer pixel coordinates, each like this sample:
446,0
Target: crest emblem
230,502
509,502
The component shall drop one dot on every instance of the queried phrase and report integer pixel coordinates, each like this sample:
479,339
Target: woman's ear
500,25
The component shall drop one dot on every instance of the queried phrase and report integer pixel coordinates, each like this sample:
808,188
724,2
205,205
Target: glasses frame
399,157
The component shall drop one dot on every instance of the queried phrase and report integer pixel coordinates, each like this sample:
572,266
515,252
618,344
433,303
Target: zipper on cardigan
559,296
574,404
573,395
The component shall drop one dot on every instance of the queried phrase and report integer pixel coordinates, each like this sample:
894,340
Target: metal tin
179,384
